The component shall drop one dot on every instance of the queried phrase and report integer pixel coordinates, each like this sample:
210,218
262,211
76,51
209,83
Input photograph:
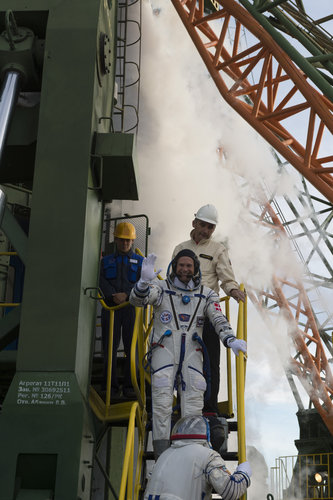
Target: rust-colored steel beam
309,364
280,91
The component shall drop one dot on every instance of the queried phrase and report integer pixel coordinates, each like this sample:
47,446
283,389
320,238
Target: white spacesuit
177,353
190,469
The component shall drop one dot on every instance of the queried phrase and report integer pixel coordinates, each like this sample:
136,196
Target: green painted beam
46,410
269,5
317,78
320,58
298,34
46,438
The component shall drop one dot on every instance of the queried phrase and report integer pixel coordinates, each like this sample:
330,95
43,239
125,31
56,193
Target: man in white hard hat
191,470
176,353
215,267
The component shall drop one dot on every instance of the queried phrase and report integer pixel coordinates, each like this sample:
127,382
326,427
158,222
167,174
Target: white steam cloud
183,123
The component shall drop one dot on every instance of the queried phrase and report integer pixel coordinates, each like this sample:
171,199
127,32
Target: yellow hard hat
125,230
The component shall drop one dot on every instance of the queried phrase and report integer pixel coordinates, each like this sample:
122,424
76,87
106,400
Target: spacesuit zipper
181,359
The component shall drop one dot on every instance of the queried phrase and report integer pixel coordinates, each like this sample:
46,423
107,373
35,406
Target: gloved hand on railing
237,345
148,272
244,467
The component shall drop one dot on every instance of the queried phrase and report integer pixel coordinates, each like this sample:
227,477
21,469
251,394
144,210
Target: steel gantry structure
281,88
269,83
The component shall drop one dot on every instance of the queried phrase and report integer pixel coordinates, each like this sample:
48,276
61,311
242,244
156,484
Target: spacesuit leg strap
206,364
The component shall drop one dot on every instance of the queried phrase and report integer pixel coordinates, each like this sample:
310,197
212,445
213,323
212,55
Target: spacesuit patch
165,317
200,321
204,256
217,306
184,317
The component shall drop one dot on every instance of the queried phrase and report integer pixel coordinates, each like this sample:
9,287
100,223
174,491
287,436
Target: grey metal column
8,99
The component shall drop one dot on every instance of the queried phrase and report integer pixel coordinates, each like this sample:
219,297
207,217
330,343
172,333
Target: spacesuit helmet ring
193,427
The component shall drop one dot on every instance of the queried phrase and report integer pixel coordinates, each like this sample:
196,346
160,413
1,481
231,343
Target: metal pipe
267,6
307,67
8,99
3,203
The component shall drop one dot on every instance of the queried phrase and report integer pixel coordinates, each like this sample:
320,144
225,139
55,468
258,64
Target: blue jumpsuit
119,273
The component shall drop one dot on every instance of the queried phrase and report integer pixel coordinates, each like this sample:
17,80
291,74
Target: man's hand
119,298
237,294
237,345
147,271
244,467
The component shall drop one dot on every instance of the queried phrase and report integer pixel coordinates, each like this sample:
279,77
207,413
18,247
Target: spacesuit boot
218,433
159,446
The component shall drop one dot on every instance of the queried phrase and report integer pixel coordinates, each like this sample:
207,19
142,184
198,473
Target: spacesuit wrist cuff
246,476
228,340
142,286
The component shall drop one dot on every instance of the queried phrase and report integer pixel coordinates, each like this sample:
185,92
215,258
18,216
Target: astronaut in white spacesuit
190,469
177,355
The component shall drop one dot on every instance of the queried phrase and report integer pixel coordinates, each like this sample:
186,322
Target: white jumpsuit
175,346
189,470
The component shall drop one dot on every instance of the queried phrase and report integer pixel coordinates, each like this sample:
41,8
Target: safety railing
302,476
129,465
240,378
240,382
226,407
147,328
103,409
133,412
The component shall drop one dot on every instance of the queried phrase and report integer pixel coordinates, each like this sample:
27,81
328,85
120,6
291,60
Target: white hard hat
207,213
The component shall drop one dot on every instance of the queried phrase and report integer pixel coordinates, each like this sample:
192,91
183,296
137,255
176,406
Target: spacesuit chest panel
178,315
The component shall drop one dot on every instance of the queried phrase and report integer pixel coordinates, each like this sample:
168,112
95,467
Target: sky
183,123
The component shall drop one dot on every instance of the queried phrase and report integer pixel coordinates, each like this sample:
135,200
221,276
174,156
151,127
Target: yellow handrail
137,342
229,410
126,483
112,309
240,383
137,413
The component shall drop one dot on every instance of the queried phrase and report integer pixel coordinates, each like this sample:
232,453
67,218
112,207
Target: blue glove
237,345
244,467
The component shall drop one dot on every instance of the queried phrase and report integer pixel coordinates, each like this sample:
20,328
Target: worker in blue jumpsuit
119,272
